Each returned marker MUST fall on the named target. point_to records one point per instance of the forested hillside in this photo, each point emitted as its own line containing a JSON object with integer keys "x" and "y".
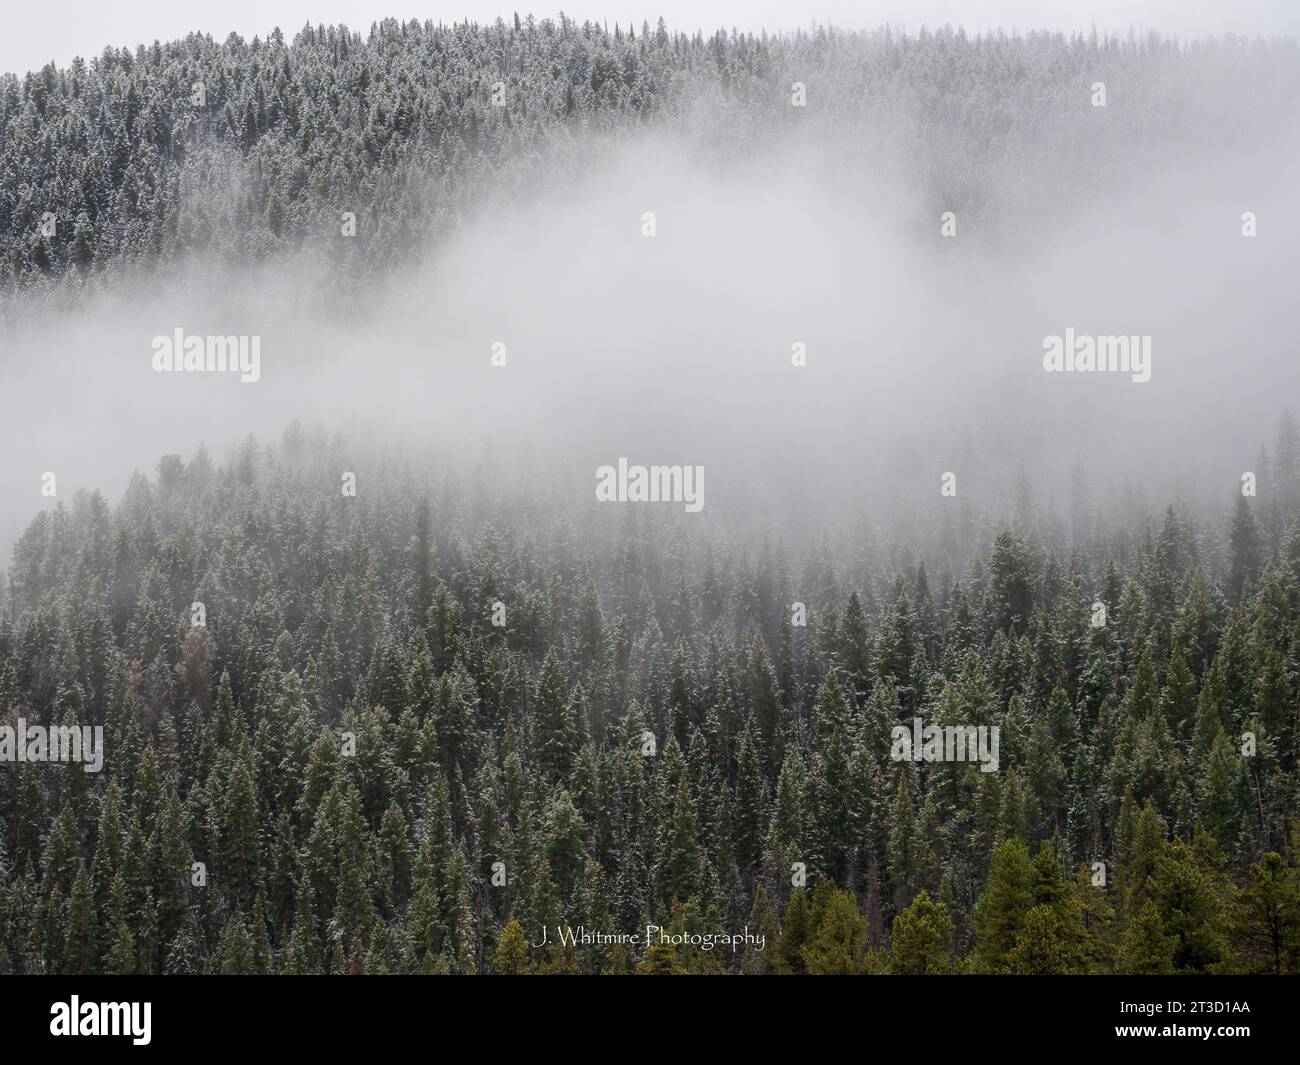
{"x": 235, "y": 152}
{"x": 419, "y": 728}
{"x": 349, "y": 745}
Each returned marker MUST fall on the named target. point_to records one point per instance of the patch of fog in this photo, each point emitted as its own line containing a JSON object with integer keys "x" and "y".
{"x": 923, "y": 353}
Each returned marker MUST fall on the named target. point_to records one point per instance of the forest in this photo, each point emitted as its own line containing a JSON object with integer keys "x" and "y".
{"x": 426, "y": 725}
{"x": 238, "y": 152}
{"x": 375, "y": 775}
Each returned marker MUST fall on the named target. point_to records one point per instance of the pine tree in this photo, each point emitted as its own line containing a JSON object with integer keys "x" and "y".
{"x": 921, "y": 939}
{"x": 796, "y": 927}
{"x": 120, "y": 959}
{"x": 1145, "y": 949}
{"x": 838, "y": 942}
{"x": 240, "y": 856}
{"x": 1040, "y": 948}
{"x": 1187, "y": 895}
{"x": 765, "y": 709}
{"x": 1267, "y": 922}
{"x": 304, "y": 942}
{"x": 556, "y": 740}
{"x": 1000, "y": 913}
{"x": 235, "y": 957}
{"x": 1246, "y": 550}
{"x": 354, "y": 907}
{"x": 512, "y": 951}
{"x": 80, "y": 954}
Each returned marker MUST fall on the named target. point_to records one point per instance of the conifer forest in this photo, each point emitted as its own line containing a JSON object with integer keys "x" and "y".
{"x": 366, "y": 607}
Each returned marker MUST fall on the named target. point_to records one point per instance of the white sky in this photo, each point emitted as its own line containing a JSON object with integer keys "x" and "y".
{"x": 44, "y": 30}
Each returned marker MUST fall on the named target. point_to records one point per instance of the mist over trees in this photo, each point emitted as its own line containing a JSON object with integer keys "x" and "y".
{"x": 524, "y": 744}
{"x": 412, "y": 729}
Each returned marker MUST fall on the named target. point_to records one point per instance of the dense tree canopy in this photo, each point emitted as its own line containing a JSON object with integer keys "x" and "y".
{"x": 409, "y": 730}
{"x": 238, "y": 151}
{"x": 375, "y": 777}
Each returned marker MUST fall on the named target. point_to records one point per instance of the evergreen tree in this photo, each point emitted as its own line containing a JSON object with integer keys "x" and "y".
{"x": 921, "y": 939}
{"x": 512, "y": 951}
{"x": 1002, "y": 908}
